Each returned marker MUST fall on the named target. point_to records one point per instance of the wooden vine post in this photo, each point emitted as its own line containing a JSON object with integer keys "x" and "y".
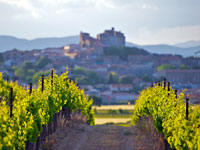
{"x": 168, "y": 88}
{"x": 54, "y": 115}
{"x": 52, "y": 77}
{"x": 152, "y": 84}
{"x": 42, "y": 83}
{"x": 30, "y": 88}
{"x": 158, "y": 83}
{"x": 187, "y": 105}
{"x": 38, "y": 139}
{"x": 164, "y": 83}
{"x": 29, "y": 145}
{"x": 7, "y": 78}
{"x": 176, "y": 93}
{"x": 11, "y": 102}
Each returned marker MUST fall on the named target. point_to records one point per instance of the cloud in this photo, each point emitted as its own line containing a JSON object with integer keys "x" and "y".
{"x": 60, "y": 7}
{"x": 148, "y": 6}
{"x": 61, "y": 11}
{"x": 168, "y": 35}
{"x": 163, "y": 20}
{"x": 40, "y": 8}
{"x": 25, "y": 5}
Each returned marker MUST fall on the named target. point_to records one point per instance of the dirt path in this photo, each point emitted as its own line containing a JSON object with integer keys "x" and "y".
{"x": 100, "y": 137}
{"x": 75, "y": 135}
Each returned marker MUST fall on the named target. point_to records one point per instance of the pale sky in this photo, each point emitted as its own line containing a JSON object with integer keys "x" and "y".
{"x": 142, "y": 21}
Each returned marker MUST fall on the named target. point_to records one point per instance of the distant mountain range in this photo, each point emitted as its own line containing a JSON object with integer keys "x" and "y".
{"x": 9, "y": 42}
{"x": 181, "y": 49}
{"x": 188, "y": 44}
{"x": 168, "y": 49}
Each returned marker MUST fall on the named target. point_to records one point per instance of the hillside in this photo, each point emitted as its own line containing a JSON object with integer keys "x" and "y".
{"x": 185, "y": 49}
{"x": 188, "y": 44}
{"x": 168, "y": 49}
{"x": 10, "y": 42}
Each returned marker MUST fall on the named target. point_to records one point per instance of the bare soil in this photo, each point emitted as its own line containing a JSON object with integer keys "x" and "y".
{"x": 80, "y": 136}
{"x": 100, "y": 137}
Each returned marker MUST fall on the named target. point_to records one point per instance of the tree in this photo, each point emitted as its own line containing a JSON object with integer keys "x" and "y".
{"x": 183, "y": 66}
{"x": 28, "y": 79}
{"x": 1, "y": 59}
{"x": 14, "y": 67}
{"x": 24, "y": 73}
{"x": 97, "y": 100}
{"x": 81, "y": 80}
{"x": 20, "y": 73}
{"x": 146, "y": 78}
{"x": 124, "y": 52}
{"x": 30, "y": 72}
{"x": 37, "y": 75}
{"x": 27, "y": 65}
{"x": 196, "y": 67}
{"x": 92, "y": 77}
{"x": 113, "y": 77}
{"x": 126, "y": 79}
{"x": 42, "y": 62}
{"x": 165, "y": 67}
{"x": 80, "y": 71}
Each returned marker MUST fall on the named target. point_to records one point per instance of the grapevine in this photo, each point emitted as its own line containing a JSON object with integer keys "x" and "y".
{"x": 32, "y": 111}
{"x": 169, "y": 114}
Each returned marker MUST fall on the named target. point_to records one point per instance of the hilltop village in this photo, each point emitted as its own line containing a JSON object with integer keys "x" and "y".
{"x": 106, "y": 39}
{"x": 105, "y": 67}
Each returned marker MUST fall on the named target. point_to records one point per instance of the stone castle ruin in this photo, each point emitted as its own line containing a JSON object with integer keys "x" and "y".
{"x": 106, "y": 39}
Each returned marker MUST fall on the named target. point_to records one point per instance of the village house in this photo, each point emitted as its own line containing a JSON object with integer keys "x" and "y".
{"x": 137, "y": 82}
{"x": 181, "y": 76}
{"x": 121, "y": 69}
{"x": 194, "y": 95}
{"x": 168, "y": 59}
{"x": 123, "y": 96}
{"x": 121, "y": 87}
{"x": 71, "y": 47}
{"x": 86, "y": 87}
{"x": 140, "y": 59}
{"x": 111, "y": 60}
{"x": 93, "y": 92}
{"x": 99, "y": 68}
{"x": 142, "y": 69}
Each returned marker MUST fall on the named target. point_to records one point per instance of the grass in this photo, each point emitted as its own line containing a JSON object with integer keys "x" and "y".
{"x": 117, "y": 115}
{"x": 102, "y": 113}
{"x": 99, "y": 121}
{"x": 126, "y": 124}
{"x": 114, "y": 107}
{"x": 113, "y": 116}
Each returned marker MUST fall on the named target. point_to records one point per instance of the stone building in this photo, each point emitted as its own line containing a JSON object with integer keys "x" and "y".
{"x": 106, "y": 39}
{"x": 112, "y": 38}
{"x": 181, "y": 76}
{"x": 86, "y": 41}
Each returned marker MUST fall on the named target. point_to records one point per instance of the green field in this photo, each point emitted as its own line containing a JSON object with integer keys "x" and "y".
{"x": 114, "y": 107}
{"x": 111, "y": 120}
{"x": 113, "y": 114}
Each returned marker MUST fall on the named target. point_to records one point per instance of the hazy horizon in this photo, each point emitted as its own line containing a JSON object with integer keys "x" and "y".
{"x": 95, "y": 36}
{"x": 142, "y": 22}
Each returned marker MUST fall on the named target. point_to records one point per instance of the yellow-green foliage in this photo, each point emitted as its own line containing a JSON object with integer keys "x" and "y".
{"x": 169, "y": 114}
{"x": 31, "y": 112}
